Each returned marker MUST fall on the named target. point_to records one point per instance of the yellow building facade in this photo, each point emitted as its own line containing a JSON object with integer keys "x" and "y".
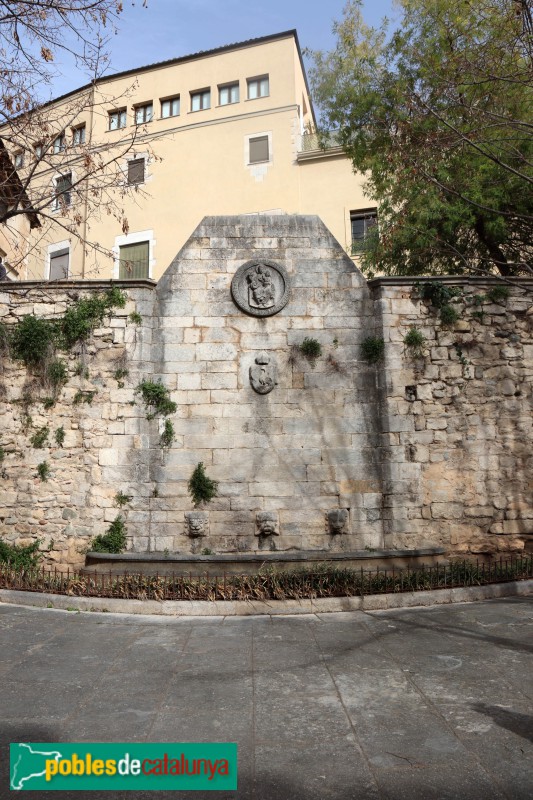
{"x": 223, "y": 132}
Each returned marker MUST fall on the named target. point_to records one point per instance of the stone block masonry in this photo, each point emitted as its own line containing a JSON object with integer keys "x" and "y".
{"x": 457, "y": 417}
{"x": 262, "y": 444}
{"x": 422, "y": 448}
{"x": 95, "y": 410}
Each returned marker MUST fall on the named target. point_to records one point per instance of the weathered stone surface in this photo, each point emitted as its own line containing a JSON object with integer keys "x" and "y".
{"x": 446, "y": 462}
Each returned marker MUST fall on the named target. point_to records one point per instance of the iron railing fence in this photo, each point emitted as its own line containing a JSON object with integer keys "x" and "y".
{"x": 325, "y": 580}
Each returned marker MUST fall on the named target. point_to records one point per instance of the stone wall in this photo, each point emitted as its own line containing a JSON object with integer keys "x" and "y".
{"x": 457, "y": 420}
{"x": 427, "y": 449}
{"x": 308, "y": 447}
{"x": 76, "y": 502}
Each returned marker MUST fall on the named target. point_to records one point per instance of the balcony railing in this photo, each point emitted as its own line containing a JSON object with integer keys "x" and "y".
{"x": 310, "y": 142}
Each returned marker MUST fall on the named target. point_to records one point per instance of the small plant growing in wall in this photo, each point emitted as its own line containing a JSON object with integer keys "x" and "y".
{"x": 86, "y": 314}
{"x": 372, "y": 349}
{"x": 440, "y": 296}
{"x": 32, "y": 341}
{"x": 43, "y": 470}
{"x": 26, "y": 421}
{"x": 56, "y": 374}
{"x": 59, "y": 436}
{"x": 311, "y": 349}
{"x": 40, "y": 437}
{"x": 120, "y": 374}
{"x": 498, "y": 294}
{"x": 122, "y": 499}
{"x": 201, "y": 488}
{"x": 448, "y": 315}
{"x": 84, "y": 397}
{"x": 135, "y": 318}
{"x": 415, "y": 341}
{"x": 81, "y": 371}
{"x": 462, "y": 360}
{"x": 113, "y": 540}
{"x": 167, "y": 436}
{"x": 157, "y": 398}
{"x": 436, "y": 293}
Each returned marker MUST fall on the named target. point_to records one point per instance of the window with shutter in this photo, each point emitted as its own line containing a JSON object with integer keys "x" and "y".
{"x": 134, "y": 261}
{"x": 59, "y": 262}
{"x": 136, "y": 171}
{"x": 258, "y": 149}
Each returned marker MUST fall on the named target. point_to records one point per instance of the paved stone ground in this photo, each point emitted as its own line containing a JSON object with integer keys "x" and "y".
{"x": 428, "y": 704}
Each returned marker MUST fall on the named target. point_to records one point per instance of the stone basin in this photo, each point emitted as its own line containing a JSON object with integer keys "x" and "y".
{"x": 183, "y": 564}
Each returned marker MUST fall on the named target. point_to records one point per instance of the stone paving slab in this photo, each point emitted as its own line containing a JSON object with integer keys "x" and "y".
{"x": 415, "y": 704}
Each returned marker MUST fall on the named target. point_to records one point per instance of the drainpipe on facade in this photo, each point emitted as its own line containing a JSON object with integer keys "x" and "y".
{"x": 86, "y": 201}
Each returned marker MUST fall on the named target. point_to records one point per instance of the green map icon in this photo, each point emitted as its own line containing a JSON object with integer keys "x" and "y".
{"x": 28, "y": 764}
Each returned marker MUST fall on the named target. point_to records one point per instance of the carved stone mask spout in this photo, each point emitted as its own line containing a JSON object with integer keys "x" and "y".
{"x": 197, "y": 523}
{"x": 337, "y": 521}
{"x": 267, "y": 523}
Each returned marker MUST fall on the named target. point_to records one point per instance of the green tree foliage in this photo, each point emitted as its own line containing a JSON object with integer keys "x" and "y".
{"x": 437, "y": 115}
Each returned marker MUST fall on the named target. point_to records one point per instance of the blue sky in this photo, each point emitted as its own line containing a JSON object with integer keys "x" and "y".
{"x": 171, "y": 28}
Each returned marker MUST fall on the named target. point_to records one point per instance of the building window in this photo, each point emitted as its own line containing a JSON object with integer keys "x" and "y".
{"x": 117, "y": 119}
{"x": 170, "y": 107}
{"x": 136, "y": 171}
{"x": 59, "y": 144}
{"x": 259, "y": 149}
{"x": 78, "y": 135}
{"x": 228, "y": 94}
{"x": 63, "y": 191}
{"x": 258, "y": 87}
{"x": 38, "y": 150}
{"x": 364, "y": 225}
{"x": 201, "y": 100}
{"x": 59, "y": 263}
{"x": 134, "y": 261}
{"x": 144, "y": 113}
{"x": 19, "y": 160}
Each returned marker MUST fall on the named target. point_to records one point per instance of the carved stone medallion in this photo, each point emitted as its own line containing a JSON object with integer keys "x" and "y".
{"x": 260, "y": 288}
{"x": 263, "y": 375}
{"x": 197, "y": 523}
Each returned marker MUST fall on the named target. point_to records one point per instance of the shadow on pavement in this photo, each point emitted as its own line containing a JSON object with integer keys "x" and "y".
{"x": 437, "y": 626}
{"x": 521, "y": 724}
